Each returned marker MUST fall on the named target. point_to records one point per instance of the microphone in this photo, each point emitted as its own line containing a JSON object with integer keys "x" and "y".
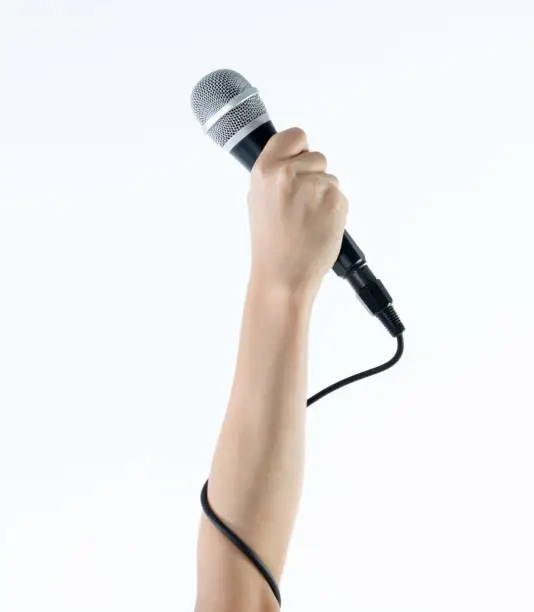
{"x": 234, "y": 116}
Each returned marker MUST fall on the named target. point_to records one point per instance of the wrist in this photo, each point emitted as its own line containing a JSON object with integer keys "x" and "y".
{"x": 291, "y": 300}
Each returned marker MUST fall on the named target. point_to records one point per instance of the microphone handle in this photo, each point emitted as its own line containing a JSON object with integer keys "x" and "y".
{"x": 350, "y": 264}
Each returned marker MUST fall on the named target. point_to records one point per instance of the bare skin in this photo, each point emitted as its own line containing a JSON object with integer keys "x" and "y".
{"x": 297, "y": 216}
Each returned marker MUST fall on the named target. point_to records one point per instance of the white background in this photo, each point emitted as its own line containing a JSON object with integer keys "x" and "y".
{"x": 124, "y": 255}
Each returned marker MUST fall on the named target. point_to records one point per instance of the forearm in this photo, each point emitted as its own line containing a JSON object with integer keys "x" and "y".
{"x": 297, "y": 218}
{"x": 257, "y": 470}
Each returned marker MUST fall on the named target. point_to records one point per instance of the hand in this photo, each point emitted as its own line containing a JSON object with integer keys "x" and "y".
{"x": 297, "y": 214}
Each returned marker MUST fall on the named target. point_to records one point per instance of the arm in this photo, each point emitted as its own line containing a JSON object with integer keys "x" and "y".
{"x": 257, "y": 470}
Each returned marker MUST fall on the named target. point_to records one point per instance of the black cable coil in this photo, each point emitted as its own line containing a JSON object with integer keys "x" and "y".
{"x": 243, "y": 547}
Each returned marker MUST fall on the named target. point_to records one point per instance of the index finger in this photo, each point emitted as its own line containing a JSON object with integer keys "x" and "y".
{"x": 285, "y": 145}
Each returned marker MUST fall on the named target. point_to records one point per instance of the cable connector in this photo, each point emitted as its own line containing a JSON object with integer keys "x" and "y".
{"x": 352, "y": 266}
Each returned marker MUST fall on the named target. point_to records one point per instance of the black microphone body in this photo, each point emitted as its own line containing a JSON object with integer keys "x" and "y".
{"x": 350, "y": 264}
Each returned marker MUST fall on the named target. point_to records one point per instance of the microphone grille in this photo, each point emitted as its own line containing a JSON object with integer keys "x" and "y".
{"x": 215, "y": 90}
{"x": 219, "y": 89}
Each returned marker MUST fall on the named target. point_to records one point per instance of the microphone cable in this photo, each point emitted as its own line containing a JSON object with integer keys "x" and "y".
{"x": 234, "y": 538}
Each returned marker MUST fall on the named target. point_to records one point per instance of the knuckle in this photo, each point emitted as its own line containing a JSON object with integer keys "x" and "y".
{"x": 333, "y": 198}
{"x": 285, "y": 171}
{"x": 278, "y": 176}
{"x": 297, "y": 133}
{"x": 322, "y": 158}
{"x": 311, "y": 180}
{"x": 331, "y": 194}
{"x": 336, "y": 207}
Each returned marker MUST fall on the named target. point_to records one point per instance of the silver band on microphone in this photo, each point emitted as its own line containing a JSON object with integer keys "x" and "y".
{"x": 235, "y": 101}
{"x": 244, "y": 132}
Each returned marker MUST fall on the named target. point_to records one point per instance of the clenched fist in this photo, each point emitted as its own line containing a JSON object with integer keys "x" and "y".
{"x": 297, "y": 214}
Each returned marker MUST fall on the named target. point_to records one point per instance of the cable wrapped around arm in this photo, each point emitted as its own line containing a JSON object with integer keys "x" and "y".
{"x": 235, "y": 539}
